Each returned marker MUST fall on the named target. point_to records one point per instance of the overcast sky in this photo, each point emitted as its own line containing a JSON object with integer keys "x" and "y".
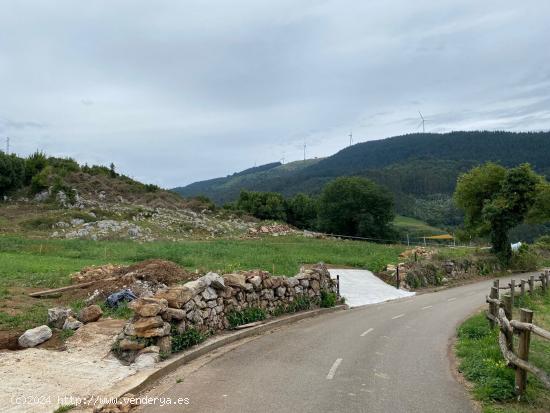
{"x": 177, "y": 91}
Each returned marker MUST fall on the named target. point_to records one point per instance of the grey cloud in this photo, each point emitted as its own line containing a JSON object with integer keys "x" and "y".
{"x": 173, "y": 92}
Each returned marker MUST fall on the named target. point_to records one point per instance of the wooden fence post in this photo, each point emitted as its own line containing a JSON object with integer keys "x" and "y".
{"x": 507, "y": 305}
{"x": 513, "y": 291}
{"x": 526, "y": 316}
{"x": 542, "y": 279}
{"x": 523, "y": 287}
{"x": 493, "y": 308}
{"x": 397, "y": 280}
{"x": 531, "y": 284}
{"x": 338, "y": 285}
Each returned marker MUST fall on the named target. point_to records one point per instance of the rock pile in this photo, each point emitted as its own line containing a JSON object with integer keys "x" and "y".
{"x": 204, "y": 304}
{"x": 272, "y": 229}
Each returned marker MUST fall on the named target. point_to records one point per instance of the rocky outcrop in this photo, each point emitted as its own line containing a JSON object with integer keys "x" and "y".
{"x": 204, "y": 304}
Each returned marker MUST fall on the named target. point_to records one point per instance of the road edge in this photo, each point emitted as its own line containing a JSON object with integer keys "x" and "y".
{"x": 145, "y": 379}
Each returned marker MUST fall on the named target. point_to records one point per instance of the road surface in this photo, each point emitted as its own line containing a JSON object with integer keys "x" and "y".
{"x": 390, "y": 357}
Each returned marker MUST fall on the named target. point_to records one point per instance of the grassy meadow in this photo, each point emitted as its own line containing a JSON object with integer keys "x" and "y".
{"x": 28, "y": 264}
{"x": 483, "y": 365}
{"x": 48, "y": 263}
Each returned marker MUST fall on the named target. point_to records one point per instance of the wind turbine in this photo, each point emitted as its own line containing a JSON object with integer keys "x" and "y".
{"x": 422, "y": 123}
{"x": 350, "y": 138}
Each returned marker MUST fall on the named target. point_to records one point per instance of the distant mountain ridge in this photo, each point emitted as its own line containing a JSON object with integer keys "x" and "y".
{"x": 422, "y": 165}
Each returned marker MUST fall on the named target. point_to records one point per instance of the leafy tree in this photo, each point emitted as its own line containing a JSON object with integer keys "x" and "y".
{"x": 496, "y": 199}
{"x": 112, "y": 171}
{"x": 34, "y": 164}
{"x": 356, "y": 206}
{"x": 263, "y": 205}
{"x": 12, "y": 173}
{"x": 302, "y": 211}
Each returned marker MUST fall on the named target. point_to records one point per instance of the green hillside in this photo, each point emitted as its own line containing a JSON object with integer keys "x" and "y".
{"x": 275, "y": 176}
{"x": 420, "y": 169}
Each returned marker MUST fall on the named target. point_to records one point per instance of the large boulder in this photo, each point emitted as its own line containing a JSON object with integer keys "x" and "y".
{"x": 235, "y": 280}
{"x": 160, "y": 331}
{"x": 292, "y": 281}
{"x": 148, "y": 306}
{"x": 130, "y": 345}
{"x": 176, "y": 296}
{"x": 147, "y": 323}
{"x": 90, "y": 314}
{"x": 209, "y": 294}
{"x": 214, "y": 280}
{"x": 146, "y": 360}
{"x": 35, "y": 336}
{"x": 58, "y": 315}
{"x": 71, "y": 323}
{"x": 256, "y": 281}
{"x": 173, "y": 314}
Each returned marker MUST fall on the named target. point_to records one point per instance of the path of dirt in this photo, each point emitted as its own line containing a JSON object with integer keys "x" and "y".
{"x": 39, "y": 380}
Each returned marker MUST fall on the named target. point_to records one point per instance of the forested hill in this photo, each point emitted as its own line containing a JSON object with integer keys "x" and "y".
{"x": 419, "y": 165}
{"x": 272, "y": 177}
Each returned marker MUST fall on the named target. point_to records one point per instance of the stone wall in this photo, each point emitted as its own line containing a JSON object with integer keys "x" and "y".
{"x": 203, "y": 304}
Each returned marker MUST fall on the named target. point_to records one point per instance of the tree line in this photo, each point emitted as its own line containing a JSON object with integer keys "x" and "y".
{"x": 352, "y": 206}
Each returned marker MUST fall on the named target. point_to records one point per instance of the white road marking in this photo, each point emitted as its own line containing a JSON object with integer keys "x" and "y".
{"x": 452, "y": 299}
{"x": 366, "y": 332}
{"x": 332, "y": 370}
{"x": 398, "y": 316}
{"x": 428, "y": 306}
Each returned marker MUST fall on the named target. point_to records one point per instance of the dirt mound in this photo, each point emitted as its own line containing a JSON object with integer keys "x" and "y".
{"x": 96, "y": 273}
{"x": 161, "y": 271}
{"x": 143, "y": 278}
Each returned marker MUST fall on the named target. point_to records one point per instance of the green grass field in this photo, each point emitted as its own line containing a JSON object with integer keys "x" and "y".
{"x": 482, "y": 363}
{"x": 42, "y": 263}
{"x": 48, "y": 263}
{"x": 415, "y": 227}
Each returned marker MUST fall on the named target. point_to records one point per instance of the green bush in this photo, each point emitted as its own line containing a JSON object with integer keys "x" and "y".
{"x": 190, "y": 337}
{"x": 328, "y": 299}
{"x": 543, "y": 241}
{"x": 12, "y": 173}
{"x": 524, "y": 260}
{"x": 300, "y": 303}
{"x": 247, "y": 315}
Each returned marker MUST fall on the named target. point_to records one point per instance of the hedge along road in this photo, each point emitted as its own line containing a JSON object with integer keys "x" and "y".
{"x": 390, "y": 357}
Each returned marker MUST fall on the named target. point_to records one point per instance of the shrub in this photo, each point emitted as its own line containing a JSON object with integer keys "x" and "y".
{"x": 328, "y": 299}
{"x": 524, "y": 260}
{"x": 300, "y": 303}
{"x": 190, "y": 337}
{"x": 543, "y": 241}
{"x": 247, "y": 315}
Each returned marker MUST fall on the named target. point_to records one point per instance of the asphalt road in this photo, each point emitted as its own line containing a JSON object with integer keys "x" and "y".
{"x": 390, "y": 357}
